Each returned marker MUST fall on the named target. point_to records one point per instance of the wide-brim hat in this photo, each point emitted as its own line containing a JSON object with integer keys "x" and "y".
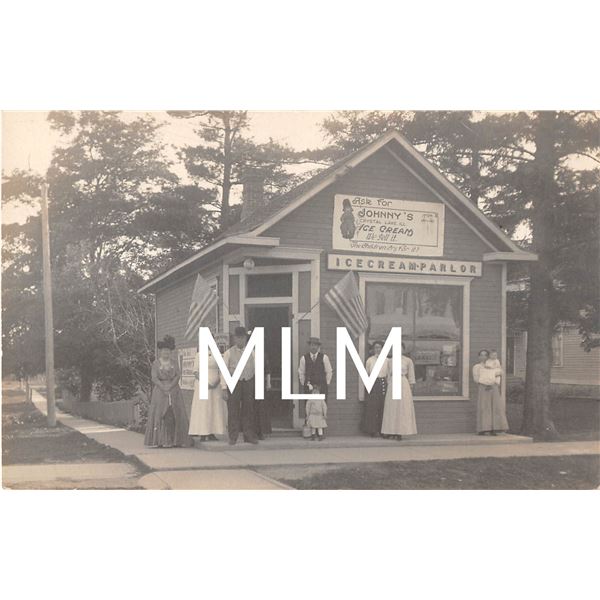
{"x": 314, "y": 340}
{"x": 240, "y": 332}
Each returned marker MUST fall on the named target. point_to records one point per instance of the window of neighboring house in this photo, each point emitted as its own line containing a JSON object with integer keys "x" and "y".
{"x": 557, "y": 349}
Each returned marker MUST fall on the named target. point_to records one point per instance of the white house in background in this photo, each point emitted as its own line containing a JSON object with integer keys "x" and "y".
{"x": 571, "y": 364}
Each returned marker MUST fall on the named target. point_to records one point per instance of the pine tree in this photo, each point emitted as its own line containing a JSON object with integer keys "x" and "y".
{"x": 532, "y": 173}
{"x": 117, "y": 213}
{"x": 545, "y": 183}
{"x": 225, "y": 150}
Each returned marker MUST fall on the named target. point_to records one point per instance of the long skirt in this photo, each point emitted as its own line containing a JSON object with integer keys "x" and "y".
{"x": 491, "y": 409}
{"x": 167, "y": 419}
{"x": 399, "y": 415}
{"x": 374, "y": 407}
{"x": 208, "y": 416}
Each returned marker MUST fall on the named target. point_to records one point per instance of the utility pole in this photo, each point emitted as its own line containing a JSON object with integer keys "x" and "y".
{"x": 48, "y": 317}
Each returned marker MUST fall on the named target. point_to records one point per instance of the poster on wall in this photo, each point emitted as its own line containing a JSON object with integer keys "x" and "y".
{"x": 399, "y": 227}
{"x": 186, "y": 365}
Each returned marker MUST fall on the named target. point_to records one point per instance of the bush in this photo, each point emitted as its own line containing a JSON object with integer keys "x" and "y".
{"x": 68, "y": 379}
{"x": 141, "y": 403}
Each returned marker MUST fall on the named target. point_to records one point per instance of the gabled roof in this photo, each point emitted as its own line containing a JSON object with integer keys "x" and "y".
{"x": 250, "y": 230}
{"x": 278, "y": 203}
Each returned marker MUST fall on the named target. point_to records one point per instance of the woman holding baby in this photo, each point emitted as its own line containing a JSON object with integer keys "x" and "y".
{"x": 491, "y": 406}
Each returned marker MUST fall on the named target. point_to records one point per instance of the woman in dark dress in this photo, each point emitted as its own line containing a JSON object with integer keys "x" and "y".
{"x": 376, "y": 397}
{"x": 168, "y": 424}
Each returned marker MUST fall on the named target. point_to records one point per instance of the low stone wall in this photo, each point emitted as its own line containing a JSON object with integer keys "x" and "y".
{"x": 122, "y": 413}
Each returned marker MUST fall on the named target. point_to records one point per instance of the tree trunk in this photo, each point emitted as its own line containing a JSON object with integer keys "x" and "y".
{"x": 474, "y": 172}
{"x": 475, "y": 169}
{"x": 87, "y": 380}
{"x": 536, "y": 413}
{"x": 227, "y": 166}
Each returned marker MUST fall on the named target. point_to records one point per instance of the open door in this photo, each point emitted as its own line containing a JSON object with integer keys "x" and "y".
{"x": 273, "y": 317}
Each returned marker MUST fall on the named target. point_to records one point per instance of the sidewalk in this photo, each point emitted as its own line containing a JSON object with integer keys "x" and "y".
{"x": 38, "y": 457}
{"x": 286, "y": 451}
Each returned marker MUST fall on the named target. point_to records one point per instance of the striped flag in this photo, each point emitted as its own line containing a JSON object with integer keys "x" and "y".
{"x": 204, "y": 299}
{"x": 345, "y": 299}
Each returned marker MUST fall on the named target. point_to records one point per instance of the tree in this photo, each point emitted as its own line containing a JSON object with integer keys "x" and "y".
{"x": 521, "y": 169}
{"x": 225, "y": 151}
{"x": 22, "y": 304}
{"x": 541, "y": 186}
{"x": 112, "y": 174}
{"x": 454, "y": 141}
{"x": 117, "y": 212}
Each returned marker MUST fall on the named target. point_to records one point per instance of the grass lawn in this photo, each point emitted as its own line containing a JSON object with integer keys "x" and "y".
{"x": 26, "y": 439}
{"x": 518, "y": 473}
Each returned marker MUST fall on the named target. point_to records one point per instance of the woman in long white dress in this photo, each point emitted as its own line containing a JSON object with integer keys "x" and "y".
{"x": 399, "y": 415}
{"x": 491, "y": 405}
{"x": 208, "y": 417}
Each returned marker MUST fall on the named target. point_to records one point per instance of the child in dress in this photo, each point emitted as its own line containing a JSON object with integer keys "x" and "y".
{"x": 316, "y": 414}
{"x": 494, "y": 363}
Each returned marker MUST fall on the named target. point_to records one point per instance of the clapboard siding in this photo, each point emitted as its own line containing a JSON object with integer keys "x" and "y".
{"x": 578, "y": 366}
{"x": 172, "y": 308}
{"x": 311, "y": 224}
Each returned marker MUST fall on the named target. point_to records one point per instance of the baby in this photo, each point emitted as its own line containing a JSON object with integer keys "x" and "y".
{"x": 493, "y": 363}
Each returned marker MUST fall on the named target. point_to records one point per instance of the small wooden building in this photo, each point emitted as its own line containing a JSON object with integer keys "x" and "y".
{"x": 425, "y": 257}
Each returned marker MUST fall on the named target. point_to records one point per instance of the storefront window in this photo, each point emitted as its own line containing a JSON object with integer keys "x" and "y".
{"x": 431, "y": 321}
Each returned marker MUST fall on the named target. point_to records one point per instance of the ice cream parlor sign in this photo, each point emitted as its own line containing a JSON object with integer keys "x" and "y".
{"x": 403, "y": 227}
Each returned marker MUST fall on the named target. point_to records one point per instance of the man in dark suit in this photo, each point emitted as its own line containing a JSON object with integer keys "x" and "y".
{"x": 315, "y": 368}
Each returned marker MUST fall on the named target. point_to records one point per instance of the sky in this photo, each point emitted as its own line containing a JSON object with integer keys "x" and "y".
{"x": 28, "y": 141}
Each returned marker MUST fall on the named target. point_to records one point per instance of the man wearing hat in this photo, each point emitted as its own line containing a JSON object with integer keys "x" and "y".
{"x": 240, "y": 403}
{"x": 315, "y": 368}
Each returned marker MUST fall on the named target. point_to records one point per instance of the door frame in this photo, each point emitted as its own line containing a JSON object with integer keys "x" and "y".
{"x": 311, "y": 264}
{"x": 276, "y": 303}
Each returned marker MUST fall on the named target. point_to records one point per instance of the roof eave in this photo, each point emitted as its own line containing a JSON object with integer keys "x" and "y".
{"x": 517, "y": 256}
{"x": 234, "y": 240}
{"x": 346, "y": 165}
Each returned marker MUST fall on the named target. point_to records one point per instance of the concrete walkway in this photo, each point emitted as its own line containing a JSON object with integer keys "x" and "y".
{"x": 71, "y": 476}
{"x": 210, "y": 479}
{"x": 284, "y": 451}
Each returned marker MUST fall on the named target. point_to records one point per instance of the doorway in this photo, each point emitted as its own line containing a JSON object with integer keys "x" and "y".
{"x": 273, "y": 317}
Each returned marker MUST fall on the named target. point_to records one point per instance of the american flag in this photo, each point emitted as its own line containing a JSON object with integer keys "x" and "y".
{"x": 345, "y": 299}
{"x": 204, "y": 299}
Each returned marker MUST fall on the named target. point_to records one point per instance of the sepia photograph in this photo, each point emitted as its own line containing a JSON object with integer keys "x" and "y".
{"x": 301, "y": 300}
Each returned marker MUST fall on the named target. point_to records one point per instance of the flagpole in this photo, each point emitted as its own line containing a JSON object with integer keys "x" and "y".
{"x": 308, "y": 312}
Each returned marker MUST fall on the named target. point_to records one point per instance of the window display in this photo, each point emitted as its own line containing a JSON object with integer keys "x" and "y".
{"x": 431, "y": 320}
